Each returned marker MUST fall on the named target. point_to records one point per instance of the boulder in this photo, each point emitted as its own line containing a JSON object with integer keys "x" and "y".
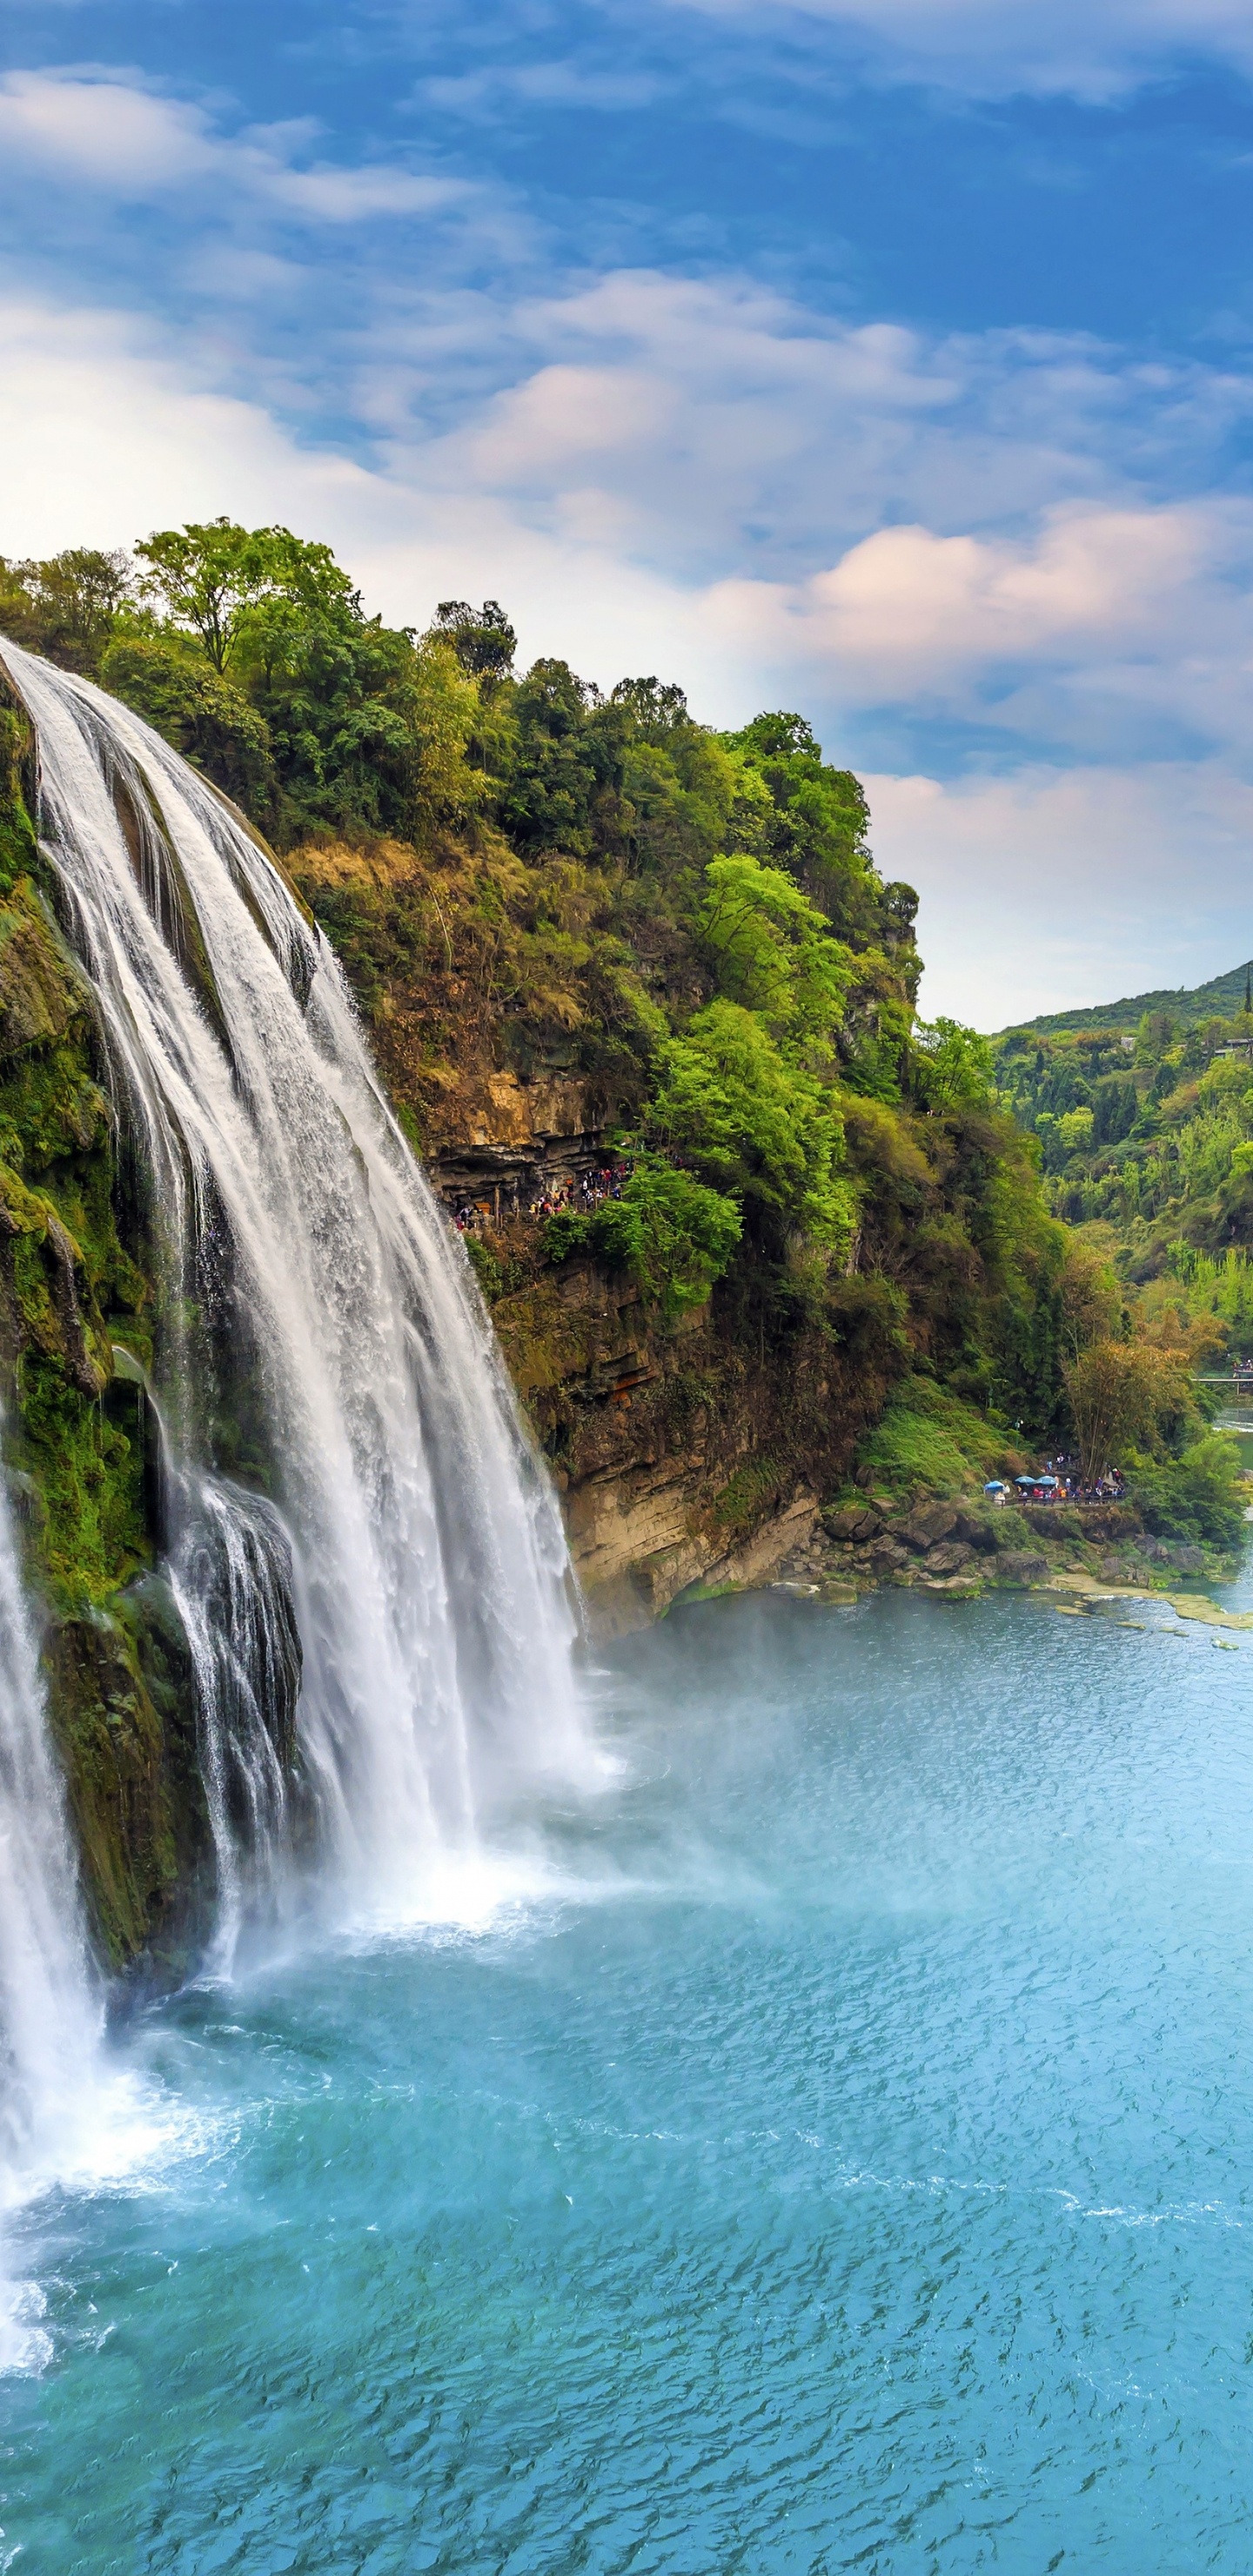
{"x": 927, "y": 1524}
{"x": 976, "y": 1529}
{"x": 949, "y": 1557}
{"x": 1054, "y": 1520}
{"x": 855, "y": 1521}
{"x": 886, "y": 1553}
{"x": 1189, "y": 1558}
{"x": 1021, "y": 1565}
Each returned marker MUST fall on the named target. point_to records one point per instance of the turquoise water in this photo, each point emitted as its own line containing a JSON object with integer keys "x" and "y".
{"x": 841, "y": 2158}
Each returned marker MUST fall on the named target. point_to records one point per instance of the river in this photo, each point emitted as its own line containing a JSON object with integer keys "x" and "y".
{"x": 829, "y": 2145}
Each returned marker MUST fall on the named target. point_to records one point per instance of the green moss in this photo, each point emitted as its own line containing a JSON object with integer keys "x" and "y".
{"x": 90, "y": 1478}
{"x": 122, "y": 1700}
{"x": 18, "y": 849}
{"x": 747, "y": 1496}
{"x": 121, "y": 1690}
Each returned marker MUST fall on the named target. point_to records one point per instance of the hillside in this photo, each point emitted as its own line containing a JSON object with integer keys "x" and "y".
{"x": 1145, "y": 1133}
{"x": 1221, "y": 998}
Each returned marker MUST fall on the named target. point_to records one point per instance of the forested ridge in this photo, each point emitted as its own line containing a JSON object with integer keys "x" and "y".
{"x": 1145, "y": 1129}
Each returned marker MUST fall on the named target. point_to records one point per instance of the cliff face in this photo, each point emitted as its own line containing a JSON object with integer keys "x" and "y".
{"x": 689, "y": 1449}
{"x": 683, "y": 1456}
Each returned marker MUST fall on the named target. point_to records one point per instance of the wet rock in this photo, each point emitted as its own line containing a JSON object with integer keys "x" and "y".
{"x": 1021, "y": 1565}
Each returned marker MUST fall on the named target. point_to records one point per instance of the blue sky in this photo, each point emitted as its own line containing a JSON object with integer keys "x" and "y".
{"x": 893, "y": 361}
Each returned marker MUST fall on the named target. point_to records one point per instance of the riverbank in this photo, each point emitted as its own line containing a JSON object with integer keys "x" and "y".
{"x": 963, "y": 1548}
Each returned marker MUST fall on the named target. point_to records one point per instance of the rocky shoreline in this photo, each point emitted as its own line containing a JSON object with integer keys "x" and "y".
{"x": 965, "y": 1547}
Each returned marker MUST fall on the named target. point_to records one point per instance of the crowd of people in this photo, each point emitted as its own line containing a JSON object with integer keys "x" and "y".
{"x": 1060, "y": 1481}
{"x": 578, "y": 1196}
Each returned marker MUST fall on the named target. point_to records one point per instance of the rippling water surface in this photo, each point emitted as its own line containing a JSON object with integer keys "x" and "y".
{"x": 836, "y": 2152}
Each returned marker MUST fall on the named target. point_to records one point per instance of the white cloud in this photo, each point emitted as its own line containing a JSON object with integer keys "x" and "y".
{"x": 893, "y": 520}
{"x": 765, "y": 431}
{"x": 562, "y": 415}
{"x": 1049, "y": 889}
{"x": 907, "y": 610}
{"x": 557, "y": 83}
{"x": 116, "y": 137}
{"x": 107, "y": 432}
{"x": 1092, "y": 49}
{"x": 106, "y": 133}
{"x": 1041, "y": 887}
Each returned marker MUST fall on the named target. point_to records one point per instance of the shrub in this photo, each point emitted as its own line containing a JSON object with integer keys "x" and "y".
{"x": 930, "y": 1438}
{"x": 1197, "y": 1496}
{"x": 487, "y": 1269}
{"x": 202, "y": 713}
{"x": 674, "y": 1236}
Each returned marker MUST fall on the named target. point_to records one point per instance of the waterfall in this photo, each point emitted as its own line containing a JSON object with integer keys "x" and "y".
{"x": 368, "y": 1556}
{"x": 50, "y": 2016}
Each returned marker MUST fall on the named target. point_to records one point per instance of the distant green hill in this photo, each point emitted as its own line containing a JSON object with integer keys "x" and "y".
{"x": 1219, "y": 999}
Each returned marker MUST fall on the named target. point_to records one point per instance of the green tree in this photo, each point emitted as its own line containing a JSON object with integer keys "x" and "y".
{"x": 773, "y": 950}
{"x": 483, "y": 639}
{"x": 211, "y": 578}
{"x": 754, "y": 1122}
{"x": 952, "y": 1064}
{"x": 1122, "y": 1397}
{"x": 819, "y": 826}
{"x": 66, "y": 607}
{"x": 567, "y": 762}
{"x": 202, "y": 576}
{"x": 673, "y": 1234}
{"x": 200, "y": 711}
{"x": 1197, "y": 1496}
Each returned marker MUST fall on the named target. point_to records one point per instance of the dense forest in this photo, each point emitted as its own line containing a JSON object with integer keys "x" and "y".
{"x": 1145, "y": 1130}
{"x": 526, "y": 875}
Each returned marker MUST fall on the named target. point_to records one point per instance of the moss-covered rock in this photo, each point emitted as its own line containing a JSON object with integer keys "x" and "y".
{"x": 74, "y": 1275}
{"x": 122, "y": 1701}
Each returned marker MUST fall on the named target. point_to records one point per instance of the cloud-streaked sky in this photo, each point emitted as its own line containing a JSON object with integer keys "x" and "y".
{"x": 893, "y": 361}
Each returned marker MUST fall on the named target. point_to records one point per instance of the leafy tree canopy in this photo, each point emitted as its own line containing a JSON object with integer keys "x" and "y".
{"x": 483, "y": 639}
{"x": 215, "y": 580}
{"x": 774, "y": 949}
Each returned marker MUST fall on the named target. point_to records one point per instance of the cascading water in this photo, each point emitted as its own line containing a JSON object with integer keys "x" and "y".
{"x": 50, "y": 2017}
{"x": 49, "y": 2011}
{"x": 406, "y": 1562}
